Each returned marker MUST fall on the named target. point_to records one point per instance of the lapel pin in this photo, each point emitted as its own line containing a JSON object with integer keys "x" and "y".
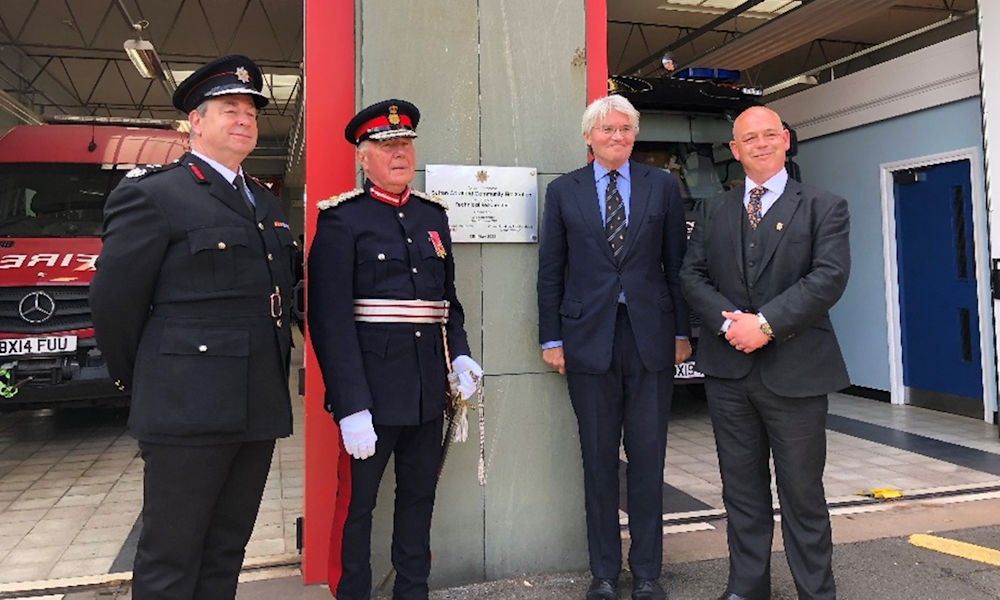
{"x": 779, "y": 226}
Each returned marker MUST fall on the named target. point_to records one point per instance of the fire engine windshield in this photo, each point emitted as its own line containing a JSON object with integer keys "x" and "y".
{"x": 53, "y": 199}
{"x": 691, "y": 164}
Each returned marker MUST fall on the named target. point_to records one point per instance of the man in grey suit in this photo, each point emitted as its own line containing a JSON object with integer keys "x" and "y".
{"x": 765, "y": 263}
{"x": 612, "y": 318}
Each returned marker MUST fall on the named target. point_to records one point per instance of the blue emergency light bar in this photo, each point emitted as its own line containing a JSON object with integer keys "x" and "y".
{"x": 706, "y": 74}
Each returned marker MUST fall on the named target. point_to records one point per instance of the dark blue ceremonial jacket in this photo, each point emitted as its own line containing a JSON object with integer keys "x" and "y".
{"x": 367, "y": 248}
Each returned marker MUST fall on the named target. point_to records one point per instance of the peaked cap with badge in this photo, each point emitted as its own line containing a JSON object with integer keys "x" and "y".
{"x": 224, "y": 76}
{"x": 383, "y": 120}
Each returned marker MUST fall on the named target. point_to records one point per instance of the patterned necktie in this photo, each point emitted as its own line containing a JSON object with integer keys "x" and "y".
{"x": 241, "y": 187}
{"x": 754, "y": 206}
{"x": 614, "y": 215}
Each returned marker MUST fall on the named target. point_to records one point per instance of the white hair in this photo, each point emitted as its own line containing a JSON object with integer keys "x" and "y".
{"x": 598, "y": 110}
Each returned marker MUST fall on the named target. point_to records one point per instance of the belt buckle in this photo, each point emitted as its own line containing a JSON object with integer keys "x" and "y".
{"x": 276, "y": 303}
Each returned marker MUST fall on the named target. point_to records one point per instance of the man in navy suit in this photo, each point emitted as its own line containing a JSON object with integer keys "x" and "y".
{"x": 612, "y": 318}
{"x": 766, "y": 262}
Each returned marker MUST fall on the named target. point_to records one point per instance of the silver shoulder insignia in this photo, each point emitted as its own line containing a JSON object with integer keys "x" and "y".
{"x": 136, "y": 172}
{"x": 425, "y": 196}
{"x": 335, "y": 200}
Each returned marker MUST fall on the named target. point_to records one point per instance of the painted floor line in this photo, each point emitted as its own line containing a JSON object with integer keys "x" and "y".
{"x": 956, "y": 548}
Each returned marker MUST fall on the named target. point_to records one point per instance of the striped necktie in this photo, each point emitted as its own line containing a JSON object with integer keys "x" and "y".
{"x": 754, "y": 206}
{"x": 614, "y": 215}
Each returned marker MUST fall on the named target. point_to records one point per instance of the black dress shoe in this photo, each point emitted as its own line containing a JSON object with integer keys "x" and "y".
{"x": 602, "y": 589}
{"x": 647, "y": 589}
{"x": 731, "y": 596}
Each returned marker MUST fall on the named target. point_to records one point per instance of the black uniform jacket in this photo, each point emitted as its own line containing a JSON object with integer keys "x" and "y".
{"x": 186, "y": 285}
{"x": 366, "y": 248}
{"x": 804, "y": 270}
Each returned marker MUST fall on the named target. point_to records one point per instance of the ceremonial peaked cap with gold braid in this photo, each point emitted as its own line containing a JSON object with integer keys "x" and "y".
{"x": 233, "y": 74}
{"x": 383, "y": 121}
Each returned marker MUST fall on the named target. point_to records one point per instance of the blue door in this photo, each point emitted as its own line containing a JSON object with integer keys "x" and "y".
{"x": 937, "y": 280}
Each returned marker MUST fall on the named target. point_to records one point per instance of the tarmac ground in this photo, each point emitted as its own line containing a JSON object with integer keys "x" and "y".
{"x": 872, "y": 559}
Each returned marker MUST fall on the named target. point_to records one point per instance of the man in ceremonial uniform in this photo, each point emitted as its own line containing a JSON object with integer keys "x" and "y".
{"x": 387, "y": 328}
{"x": 191, "y": 307}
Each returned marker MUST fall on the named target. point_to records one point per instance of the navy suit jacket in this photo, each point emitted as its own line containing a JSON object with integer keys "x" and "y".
{"x": 804, "y": 271}
{"x": 579, "y": 279}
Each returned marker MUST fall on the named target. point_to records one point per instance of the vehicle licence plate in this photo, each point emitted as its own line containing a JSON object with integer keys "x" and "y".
{"x": 53, "y": 344}
{"x": 686, "y": 370}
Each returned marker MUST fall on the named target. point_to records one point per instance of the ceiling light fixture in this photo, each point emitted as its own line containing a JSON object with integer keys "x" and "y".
{"x": 143, "y": 55}
{"x": 673, "y": 5}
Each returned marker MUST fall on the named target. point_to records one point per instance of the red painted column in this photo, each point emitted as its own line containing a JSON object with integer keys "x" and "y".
{"x": 329, "y": 101}
{"x": 597, "y": 49}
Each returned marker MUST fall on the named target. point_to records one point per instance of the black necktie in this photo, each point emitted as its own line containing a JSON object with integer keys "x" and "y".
{"x": 754, "y": 206}
{"x": 614, "y": 215}
{"x": 241, "y": 187}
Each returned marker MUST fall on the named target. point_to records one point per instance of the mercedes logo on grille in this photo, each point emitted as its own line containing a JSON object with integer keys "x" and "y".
{"x": 36, "y": 307}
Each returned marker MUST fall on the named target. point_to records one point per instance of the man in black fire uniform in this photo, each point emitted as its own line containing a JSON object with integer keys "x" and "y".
{"x": 191, "y": 307}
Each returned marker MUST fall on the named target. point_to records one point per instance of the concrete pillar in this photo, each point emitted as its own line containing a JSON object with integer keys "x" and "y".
{"x": 499, "y": 82}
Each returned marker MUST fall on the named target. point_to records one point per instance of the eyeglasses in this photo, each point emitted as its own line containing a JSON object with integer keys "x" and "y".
{"x": 625, "y": 130}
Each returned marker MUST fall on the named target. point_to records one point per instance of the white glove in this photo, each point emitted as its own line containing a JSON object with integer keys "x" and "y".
{"x": 359, "y": 434}
{"x": 468, "y": 373}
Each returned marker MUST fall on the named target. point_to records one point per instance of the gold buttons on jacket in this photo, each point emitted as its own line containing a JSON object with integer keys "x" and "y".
{"x": 222, "y": 245}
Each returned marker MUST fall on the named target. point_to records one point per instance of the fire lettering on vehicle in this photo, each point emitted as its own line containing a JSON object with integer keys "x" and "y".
{"x": 87, "y": 261}
{"x": 49, "y": 260}
{"x": 17, "y": 261}
{"x": 12, "y": 261}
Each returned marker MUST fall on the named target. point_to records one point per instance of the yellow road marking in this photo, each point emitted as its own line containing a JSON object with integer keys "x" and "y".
{"x": 956, "y": 548}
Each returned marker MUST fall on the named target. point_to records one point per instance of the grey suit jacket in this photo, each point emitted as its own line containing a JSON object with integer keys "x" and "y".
{"x": 579, "y": 278}
{"x": 804, "y": 271}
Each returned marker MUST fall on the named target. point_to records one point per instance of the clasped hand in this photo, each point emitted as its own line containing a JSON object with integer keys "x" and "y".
{"x": 744, "y": 332}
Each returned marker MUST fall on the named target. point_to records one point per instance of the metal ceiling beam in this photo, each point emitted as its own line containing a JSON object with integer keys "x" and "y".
{"x": 706, "y": 28}
{"x": 789, "y": 31}
{"x": 10, "y": 104}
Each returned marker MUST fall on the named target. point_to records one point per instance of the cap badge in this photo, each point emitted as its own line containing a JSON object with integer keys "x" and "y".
{"x": 393, "y": 115}
{"x": 242, "y": 74}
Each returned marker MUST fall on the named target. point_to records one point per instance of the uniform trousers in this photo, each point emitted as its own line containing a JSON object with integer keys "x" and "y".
{"x": 632, "y": 399}
{"x": 417, "y": 451}
{"x": 752, "y": 423}
{"x": 198, "y": 511}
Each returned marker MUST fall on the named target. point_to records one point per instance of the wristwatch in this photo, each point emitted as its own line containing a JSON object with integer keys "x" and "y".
{"x": 765, "y": 327}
